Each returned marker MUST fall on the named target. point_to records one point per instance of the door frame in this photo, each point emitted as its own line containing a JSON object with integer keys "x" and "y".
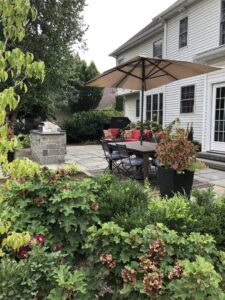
{"x": 215, "y": 146}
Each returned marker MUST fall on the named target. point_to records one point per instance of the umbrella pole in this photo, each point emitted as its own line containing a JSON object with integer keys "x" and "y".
{"x": 142, "y": 100}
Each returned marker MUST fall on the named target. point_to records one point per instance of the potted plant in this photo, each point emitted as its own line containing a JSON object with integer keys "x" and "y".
{"x": 177, "y": 157}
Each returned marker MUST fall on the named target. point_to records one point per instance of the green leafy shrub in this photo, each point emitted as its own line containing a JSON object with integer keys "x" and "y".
{"x": 87, "y": 125}
{"x": 123, "y": 202}
{"x": 52, "y": 205}
{"x": 39, "y": 276}
{"x": 174, "y": 213}
{"x": 147, "y": 263}
{"x": 204, "y": 214}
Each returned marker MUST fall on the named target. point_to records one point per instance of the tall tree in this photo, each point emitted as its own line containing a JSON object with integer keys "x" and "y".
{"x": 58, "y": 26}
{"x": 81, "y": 98}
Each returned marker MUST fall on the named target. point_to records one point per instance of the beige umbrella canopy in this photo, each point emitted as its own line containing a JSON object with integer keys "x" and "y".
{"x": 144, "y": 73}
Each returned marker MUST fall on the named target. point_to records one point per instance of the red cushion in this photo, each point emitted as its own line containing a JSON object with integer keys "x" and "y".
{"x": 148, "y": 133}
{"x": 136, "y": 134}
{"x": 115, "y": 131}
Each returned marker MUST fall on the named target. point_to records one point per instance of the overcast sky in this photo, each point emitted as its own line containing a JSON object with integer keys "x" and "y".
{"x": 113, "y": 22}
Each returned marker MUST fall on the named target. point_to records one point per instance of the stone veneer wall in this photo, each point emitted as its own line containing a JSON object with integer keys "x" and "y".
{"x": 48, "y": 148}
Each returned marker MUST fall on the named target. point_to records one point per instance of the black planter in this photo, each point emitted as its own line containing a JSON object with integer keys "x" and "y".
{"x": 10, "y": 156}
{"x": 172, "y": 183}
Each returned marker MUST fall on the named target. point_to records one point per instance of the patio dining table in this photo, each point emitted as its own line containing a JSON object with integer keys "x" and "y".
{"x": 145, "y": 150}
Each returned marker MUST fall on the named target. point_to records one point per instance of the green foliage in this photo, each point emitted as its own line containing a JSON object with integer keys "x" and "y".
{"x": 40, "y": 276}
{"x": 150, "y": 125}
{"x": 123, "y": 202}
{"x": 199, "y": 281}
{"x": 174, "y": 213}
{"x": 16, "y": 67}
{"x": 52, "y": 205}
{"x": 86, "y": 126}
{"x": 58, "y": 25}
{"x": 119, "y": 103}
{"x": 69, "y": 284}
{"x": 81, "y": 97}
{"x": 21, "y": 169}
{"x": 150, "y": 261}
{"x": 204, "y": 213}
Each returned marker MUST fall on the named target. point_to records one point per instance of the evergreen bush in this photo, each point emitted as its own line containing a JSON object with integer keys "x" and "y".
{"x": 87, "y": 125}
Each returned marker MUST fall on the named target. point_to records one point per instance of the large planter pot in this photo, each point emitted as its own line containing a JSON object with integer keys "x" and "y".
{"x": 171, "y": 182}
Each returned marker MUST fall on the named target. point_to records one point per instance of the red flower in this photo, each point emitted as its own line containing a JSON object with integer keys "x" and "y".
{"x": 57, "y": 247}
{"x": 175, "y": 166}
{"x": 37, "y": 239}
{"x": 22, "y": 252}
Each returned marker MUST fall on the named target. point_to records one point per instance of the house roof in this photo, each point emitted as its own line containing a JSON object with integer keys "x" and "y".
{"x": 155, "y": 26}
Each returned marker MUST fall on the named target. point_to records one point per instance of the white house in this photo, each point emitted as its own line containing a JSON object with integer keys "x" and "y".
{"x": 190, "y": 30}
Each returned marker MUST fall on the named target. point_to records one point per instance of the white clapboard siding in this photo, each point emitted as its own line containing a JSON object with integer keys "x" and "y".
{"x": 172, "y": 105}
{"x": 203, "y": 30}
{"x": 145, "y": 48}
{"x": 130, "y": 107}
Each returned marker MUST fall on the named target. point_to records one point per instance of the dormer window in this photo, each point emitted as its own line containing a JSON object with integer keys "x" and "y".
{"x": 157, "y": 49}
{"x": 222, "y": 23}
{"x": 183, "y": 36}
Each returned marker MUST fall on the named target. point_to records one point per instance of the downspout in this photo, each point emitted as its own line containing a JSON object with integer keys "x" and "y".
{"x": 204, "y": 127}
{"x": 164, "y": 56}
{"x": 165, "y": 40}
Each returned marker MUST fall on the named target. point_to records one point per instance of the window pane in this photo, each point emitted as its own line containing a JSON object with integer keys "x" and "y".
{"x": 187, "y": 99}
{"x": 137, "y": 108}
{"x": 148, "y": 107}
{"x": 155, "y": 102}
{"x": 157, "y": 49}
{"x": 183, "y": 32}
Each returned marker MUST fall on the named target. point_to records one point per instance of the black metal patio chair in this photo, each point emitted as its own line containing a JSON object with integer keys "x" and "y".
{"x": 112, "y": 157}
{"x": 132, "y": 166}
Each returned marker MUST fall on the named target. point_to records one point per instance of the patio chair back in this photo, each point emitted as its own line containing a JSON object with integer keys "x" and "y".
{"x": 123, "y": 151}
{"x": 105, "y": 149}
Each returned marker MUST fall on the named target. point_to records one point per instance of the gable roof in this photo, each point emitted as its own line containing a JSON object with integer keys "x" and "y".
{"x": 155, "y": 26}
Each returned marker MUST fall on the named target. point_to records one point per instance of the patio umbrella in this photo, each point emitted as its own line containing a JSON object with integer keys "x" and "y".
{"x": 144, "y": 73}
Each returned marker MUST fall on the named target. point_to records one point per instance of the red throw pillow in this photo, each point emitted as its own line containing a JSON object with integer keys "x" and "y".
{"x": 107, "y": 134}
{"x": 127, "y": 134}
{"x": 114, "y": 132}
{"x": 147, "y": 133}
{"x": 136, "y": 134}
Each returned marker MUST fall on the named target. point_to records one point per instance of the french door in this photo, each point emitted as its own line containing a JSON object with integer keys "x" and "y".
{"x": 154, "y": 108}
{"x": 218, "y": 118}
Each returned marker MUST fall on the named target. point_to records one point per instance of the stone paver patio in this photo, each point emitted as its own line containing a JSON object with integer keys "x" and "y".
{"x": 91, "y": 160}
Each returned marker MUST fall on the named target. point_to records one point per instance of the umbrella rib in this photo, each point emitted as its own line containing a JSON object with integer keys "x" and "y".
{"x": 150, "y": 72}
{"x": 127, "y": 74}
{"x": 162, "y": 69}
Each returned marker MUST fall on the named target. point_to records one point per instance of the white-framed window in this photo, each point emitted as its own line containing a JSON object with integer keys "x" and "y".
{"x": 222, "y": 23}
{"x": 187, "y": 99}
{"x": 183, "y": 33}
{"x": 137, "y": 108}
{"x": 158, "y": 48}
{"x": 154, "y": 108}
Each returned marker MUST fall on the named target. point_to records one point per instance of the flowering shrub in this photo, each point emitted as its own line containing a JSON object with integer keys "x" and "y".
{"x": 50, "y": 206}
{"x": 149, "y": 263}
{"x": 177, "y": 152}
